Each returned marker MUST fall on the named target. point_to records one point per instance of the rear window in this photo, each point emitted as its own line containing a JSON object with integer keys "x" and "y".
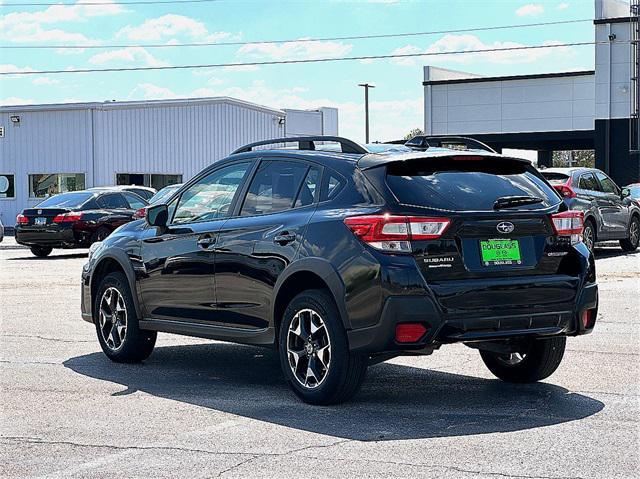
{"x": 555, "y": 178}
{"x": 472, "y": 185}
{"x": 66, "y": 200}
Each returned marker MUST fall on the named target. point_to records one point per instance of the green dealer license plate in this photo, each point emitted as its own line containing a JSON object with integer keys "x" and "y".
{"x": 499, "y": 251}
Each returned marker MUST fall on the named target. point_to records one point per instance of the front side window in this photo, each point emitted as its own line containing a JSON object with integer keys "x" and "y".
{"x": 211, "y": 197}
{"x": 607, "y": 184}
{"x": 135, "y": 202}
{"x": 44, "y": 185}
{"x": 274, "y": 187}
{"x": 7, "y": 186}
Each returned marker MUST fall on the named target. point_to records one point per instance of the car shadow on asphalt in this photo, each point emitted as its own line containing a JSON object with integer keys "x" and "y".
{"x": 396, "y": 401}
{"x": 51, "y": 258}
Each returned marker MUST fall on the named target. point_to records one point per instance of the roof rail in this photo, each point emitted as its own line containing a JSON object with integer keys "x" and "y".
{"x": 308, "y": 143}
{"x": 421, "y": 142}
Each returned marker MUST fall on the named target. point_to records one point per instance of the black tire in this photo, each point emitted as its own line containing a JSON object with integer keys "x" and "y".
{"x": 589, "y": 234}
{"x": 100, "y": 234}
{"x": 41, "y": 251}
{"x": 541, "y": 358}
{"x": 134, "y": 345}
{"x": 345, "y": 371}
{"x": 631, "y": 243}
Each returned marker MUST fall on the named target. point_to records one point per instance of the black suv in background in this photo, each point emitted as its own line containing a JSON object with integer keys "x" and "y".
{"x": 75, "y": 219}
{"x": 340, "y": 259}
{"x": 609, "y": 211}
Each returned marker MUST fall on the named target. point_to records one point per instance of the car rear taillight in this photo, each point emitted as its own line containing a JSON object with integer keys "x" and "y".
{"x": 565, "y": 191}
{"x": 569, "y": 223}
{"x": 67, "y": 218}
{"x": 22, "y": 219}
{"x": 140, "y": 213}
{"x": 394, "y": 233}
{"x": 588, "y": 318}
{"x": 410, "y": 332}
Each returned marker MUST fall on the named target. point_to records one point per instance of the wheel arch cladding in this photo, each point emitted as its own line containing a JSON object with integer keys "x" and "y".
{"x": 110, "y": 264}
{"x": 308, "y": 273}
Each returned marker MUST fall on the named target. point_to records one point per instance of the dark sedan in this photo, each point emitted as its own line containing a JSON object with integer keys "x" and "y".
{"x": 75, "y": 220}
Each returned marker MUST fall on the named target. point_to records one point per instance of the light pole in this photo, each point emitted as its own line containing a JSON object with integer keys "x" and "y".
{"x": 366, "y": 108}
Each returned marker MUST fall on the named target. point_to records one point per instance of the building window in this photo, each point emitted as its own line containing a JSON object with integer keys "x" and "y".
{"x": 7, "y": 186}
{"x": 157, "y": 181}
{"x": 44, "y": 185}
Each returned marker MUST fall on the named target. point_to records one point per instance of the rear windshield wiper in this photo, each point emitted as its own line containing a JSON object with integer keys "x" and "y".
{"x": 513, "y": 201}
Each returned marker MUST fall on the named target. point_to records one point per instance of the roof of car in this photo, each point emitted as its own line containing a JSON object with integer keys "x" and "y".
{"x": 568, "y": 171}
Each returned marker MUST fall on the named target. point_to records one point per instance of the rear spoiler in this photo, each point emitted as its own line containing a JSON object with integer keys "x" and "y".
{"x": 374, "y": 160}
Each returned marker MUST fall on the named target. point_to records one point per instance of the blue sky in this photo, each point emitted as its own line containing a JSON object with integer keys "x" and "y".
{"x": 396, "y": 103}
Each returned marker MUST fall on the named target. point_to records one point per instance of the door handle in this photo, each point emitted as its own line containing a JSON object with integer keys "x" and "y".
{"x": 206, "y": 241}
{"x": 284, "y": 238}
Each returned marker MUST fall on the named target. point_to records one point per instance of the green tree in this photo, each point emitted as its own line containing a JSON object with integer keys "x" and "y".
{"x": 412, "y": 133}
{"x": 579, "y": 158}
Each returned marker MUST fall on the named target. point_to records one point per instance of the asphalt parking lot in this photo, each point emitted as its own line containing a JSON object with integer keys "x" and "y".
{"x": 199, "y": 408}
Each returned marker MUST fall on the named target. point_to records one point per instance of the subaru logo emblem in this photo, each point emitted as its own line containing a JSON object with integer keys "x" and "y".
{"x": 39, "y": 212}
{"x": 505, "y": 227}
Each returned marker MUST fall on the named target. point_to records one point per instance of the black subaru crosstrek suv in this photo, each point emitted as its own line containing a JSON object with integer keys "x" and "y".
{"x": 341, "y": 258}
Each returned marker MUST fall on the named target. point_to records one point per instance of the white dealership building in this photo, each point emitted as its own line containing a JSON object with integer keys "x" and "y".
{"x": 47, "y": 149}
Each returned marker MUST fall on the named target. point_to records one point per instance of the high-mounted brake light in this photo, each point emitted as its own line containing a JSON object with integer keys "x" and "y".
{"x": 394, "y": 233}
{"x": 67, "y": 218}
{"x": 22, "y": 219}
{"x": 569, "y": 223}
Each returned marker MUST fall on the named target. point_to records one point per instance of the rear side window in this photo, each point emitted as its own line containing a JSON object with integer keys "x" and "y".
{"x": 555, "y": 178}
{"x": 113, "y": 201}
{"x": 274, "y": 187}
{"x": 588, "y": 182}
{"x": 307, "y": 192}
{"x": 466, "y": 185}
{"x": 135, "y": 202}
{"x": 333, "y": 183}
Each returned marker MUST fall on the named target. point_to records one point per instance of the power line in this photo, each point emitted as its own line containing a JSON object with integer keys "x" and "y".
{"x": 308, "y": 60}
{"x": 90, "y": 4}
{"x": 303, "y": 40}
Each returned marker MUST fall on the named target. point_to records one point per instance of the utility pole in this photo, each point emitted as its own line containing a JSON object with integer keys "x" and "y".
{"x": 366, "y": 108}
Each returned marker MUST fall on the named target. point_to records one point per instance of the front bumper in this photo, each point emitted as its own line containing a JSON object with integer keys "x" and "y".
{"x": 443, "y": 329}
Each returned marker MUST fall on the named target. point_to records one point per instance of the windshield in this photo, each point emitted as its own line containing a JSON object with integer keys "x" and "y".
{"x": 163, "y": 195}
{"x": 468, "y": 185}
{"x": 66, "y": 200}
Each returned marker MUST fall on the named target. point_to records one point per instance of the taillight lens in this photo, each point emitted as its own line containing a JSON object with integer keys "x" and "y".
{"x": 569, "y": 223}
{"x": 22, "y": 219}
{"x": 393, "y": 233}
{"x": 67, "y": 218}
{"x": 140, "y": 213}
{"x": 565, "y": 191}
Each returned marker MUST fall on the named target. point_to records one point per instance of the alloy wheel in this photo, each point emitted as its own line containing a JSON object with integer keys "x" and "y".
{"x": 587, "y": 236}
{"x": 634, "y": 232}
{"x": 512, "y": 359}
{"x": 308, "y": 348}
{"x": 113, "y": 319}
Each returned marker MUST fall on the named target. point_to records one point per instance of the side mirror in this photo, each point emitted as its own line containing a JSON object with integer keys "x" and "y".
{"x": 626, "y": 192}
{"x": 157, "y": 215}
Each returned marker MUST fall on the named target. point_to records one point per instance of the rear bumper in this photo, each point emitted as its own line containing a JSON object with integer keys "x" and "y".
{"x": 55, "y": 236}
{"x": 444, "y": 329}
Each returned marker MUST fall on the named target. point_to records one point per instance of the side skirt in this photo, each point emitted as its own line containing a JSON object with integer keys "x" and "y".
{"x": 257, "y": 337}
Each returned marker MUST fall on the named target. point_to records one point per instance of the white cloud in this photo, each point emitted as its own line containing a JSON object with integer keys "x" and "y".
{"x": 530, "y": 10}
{"x": 138, "y": 55}
{"x": 390, "y": 119}
{"x": 295, "y": 50}
{"x": 44, "y": 81}
{"x": 406, "y": 50}
{"x": 14, "y": 100}
{"x": 25, "y": 27}
{"x": 562, "y": 6}
{"x": 170, "y": 26}
{"x": 467, "y": 42}
{"x": 10, "y": 68}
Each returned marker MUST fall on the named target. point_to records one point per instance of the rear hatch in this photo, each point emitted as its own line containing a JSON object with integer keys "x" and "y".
{"x": 500, "y": 252}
